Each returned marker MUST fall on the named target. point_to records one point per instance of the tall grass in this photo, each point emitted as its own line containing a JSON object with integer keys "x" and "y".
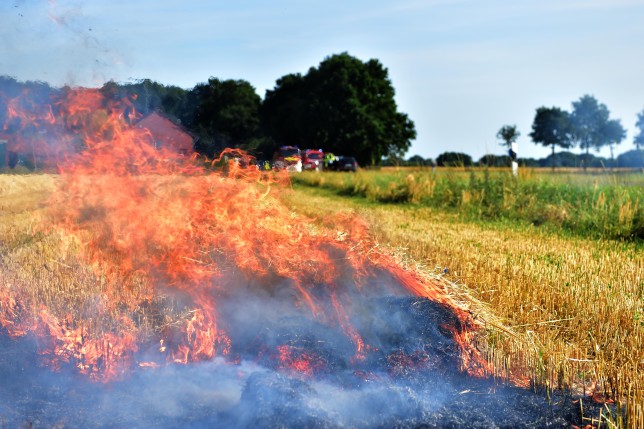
{"x": 606, "y": 206}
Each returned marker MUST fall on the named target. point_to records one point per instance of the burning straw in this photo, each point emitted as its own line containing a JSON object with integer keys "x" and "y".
{"x": 140, "y": 247}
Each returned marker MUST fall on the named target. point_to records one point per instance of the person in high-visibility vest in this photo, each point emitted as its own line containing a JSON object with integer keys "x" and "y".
{"x": 328, "y": 159}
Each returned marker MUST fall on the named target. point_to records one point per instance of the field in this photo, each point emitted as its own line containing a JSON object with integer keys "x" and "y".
{"x": 558, "y": 258}
{"x": 552, "y": 264}
{"x": 596, "y": 205}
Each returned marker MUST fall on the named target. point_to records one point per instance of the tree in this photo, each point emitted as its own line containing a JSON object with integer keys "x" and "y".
{"x": 639, "y": 138}
{"x": 490, "y": 160}
{"x": 418, "y": 160}
{"x": 150, "y": 96}
{"x": 345, "y": 106}
{"x": 286, "y": 113}
{"x": 454, "y": 159}
{"x": 631, "y": 159}
{"x": 223, "y": 114}
{"x": 509, "y": 134}
{"x": 551, "y": 127}
{"x": 613, "y": 133}
{"x": 588, "y": 118}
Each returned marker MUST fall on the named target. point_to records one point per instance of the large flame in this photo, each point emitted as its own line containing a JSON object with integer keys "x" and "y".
{"x": 153, "y": 223}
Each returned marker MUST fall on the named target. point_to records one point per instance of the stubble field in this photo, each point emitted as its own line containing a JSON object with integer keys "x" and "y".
{"x": 563, "y": 304}
{"x": 558, "y": 259}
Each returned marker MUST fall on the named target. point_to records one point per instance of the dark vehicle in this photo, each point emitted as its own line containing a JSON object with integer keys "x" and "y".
{"x": 345, "y": 163}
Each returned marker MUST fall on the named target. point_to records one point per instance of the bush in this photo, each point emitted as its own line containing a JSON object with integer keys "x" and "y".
{"x": 454, "y": 159}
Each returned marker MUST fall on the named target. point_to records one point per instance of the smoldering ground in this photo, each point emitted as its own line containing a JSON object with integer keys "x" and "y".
{"x": 409, "y": 380}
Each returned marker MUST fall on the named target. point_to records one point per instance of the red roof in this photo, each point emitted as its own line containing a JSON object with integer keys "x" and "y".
{"x": 167, "y": 134}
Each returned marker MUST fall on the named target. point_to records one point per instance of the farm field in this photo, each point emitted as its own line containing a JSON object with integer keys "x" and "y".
{"x": 570, "y": 299}
{"x": 600, "y": 204}
{"x": 563, "y": 307}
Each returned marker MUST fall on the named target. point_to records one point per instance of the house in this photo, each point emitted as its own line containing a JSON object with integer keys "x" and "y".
{"x": 167, "y": 134}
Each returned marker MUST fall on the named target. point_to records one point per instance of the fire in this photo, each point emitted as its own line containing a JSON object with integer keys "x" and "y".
{"x": 153, "y": 224}
{"x": 299, "y": 360}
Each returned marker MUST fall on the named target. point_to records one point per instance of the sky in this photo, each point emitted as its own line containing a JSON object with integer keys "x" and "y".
{"x": 461, "y": 69}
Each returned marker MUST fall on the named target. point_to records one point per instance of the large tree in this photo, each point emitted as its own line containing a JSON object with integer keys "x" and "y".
{"x": 639, "y": 138}
{"x": 345, "y": 106}
{"x": 224, "y": 113}
{"x": 551, "y": 127}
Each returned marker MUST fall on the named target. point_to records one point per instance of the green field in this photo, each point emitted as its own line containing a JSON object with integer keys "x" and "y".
{"x": 594, "y": 205}
{"x": 554, "y": 261}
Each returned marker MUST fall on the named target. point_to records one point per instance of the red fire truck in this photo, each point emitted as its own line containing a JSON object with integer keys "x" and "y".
{"x": 288, "y": 158}
{"x": 313, "y": 159}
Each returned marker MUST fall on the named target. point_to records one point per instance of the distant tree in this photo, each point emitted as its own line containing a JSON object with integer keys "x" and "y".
{"x": 146, "y": 96}
{"x": 588, "y": 119}
{"x": 631, "y": 159}
{"x": 570, "y": 159}
{"x": 25, "y": 112}
{"x": 418, "y": 160}
{"x": 393, "y": 160}
{"x": 639, "y": 138}
{"x": 529, "y": 162}
{"x": 9, "y": 87}
{"x": 613, "y": 133}
{"x": 454, "y": 159}
{"x": 345, "y": 106}
{"x": 494, "y": 160}
{"x": 508, "y": 134}
{"x": 551, "y": 127}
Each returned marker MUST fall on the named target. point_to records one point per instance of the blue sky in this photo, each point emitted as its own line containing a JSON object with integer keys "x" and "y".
{"x": 461, "y": 68}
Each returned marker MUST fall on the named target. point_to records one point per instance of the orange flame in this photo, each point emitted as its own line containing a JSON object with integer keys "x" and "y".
{"x": 186, "y": 226}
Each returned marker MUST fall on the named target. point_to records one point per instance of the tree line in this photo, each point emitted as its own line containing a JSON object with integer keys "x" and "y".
{"x": 587, "y": 126}
{"x": 630, "y": 159}
{"x": 344, "y": 105}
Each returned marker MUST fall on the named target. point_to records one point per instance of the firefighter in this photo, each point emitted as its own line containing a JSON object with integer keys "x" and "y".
{"x": 329, "y": 158}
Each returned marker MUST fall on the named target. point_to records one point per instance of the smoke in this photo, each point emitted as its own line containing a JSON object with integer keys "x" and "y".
{"x": 245, "y": 395}
{"x": 409, "y": 378}
{"x": 56, "y": 41}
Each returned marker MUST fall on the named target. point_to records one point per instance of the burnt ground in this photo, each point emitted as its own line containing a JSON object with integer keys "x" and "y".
{"x": 407, "y": 380}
